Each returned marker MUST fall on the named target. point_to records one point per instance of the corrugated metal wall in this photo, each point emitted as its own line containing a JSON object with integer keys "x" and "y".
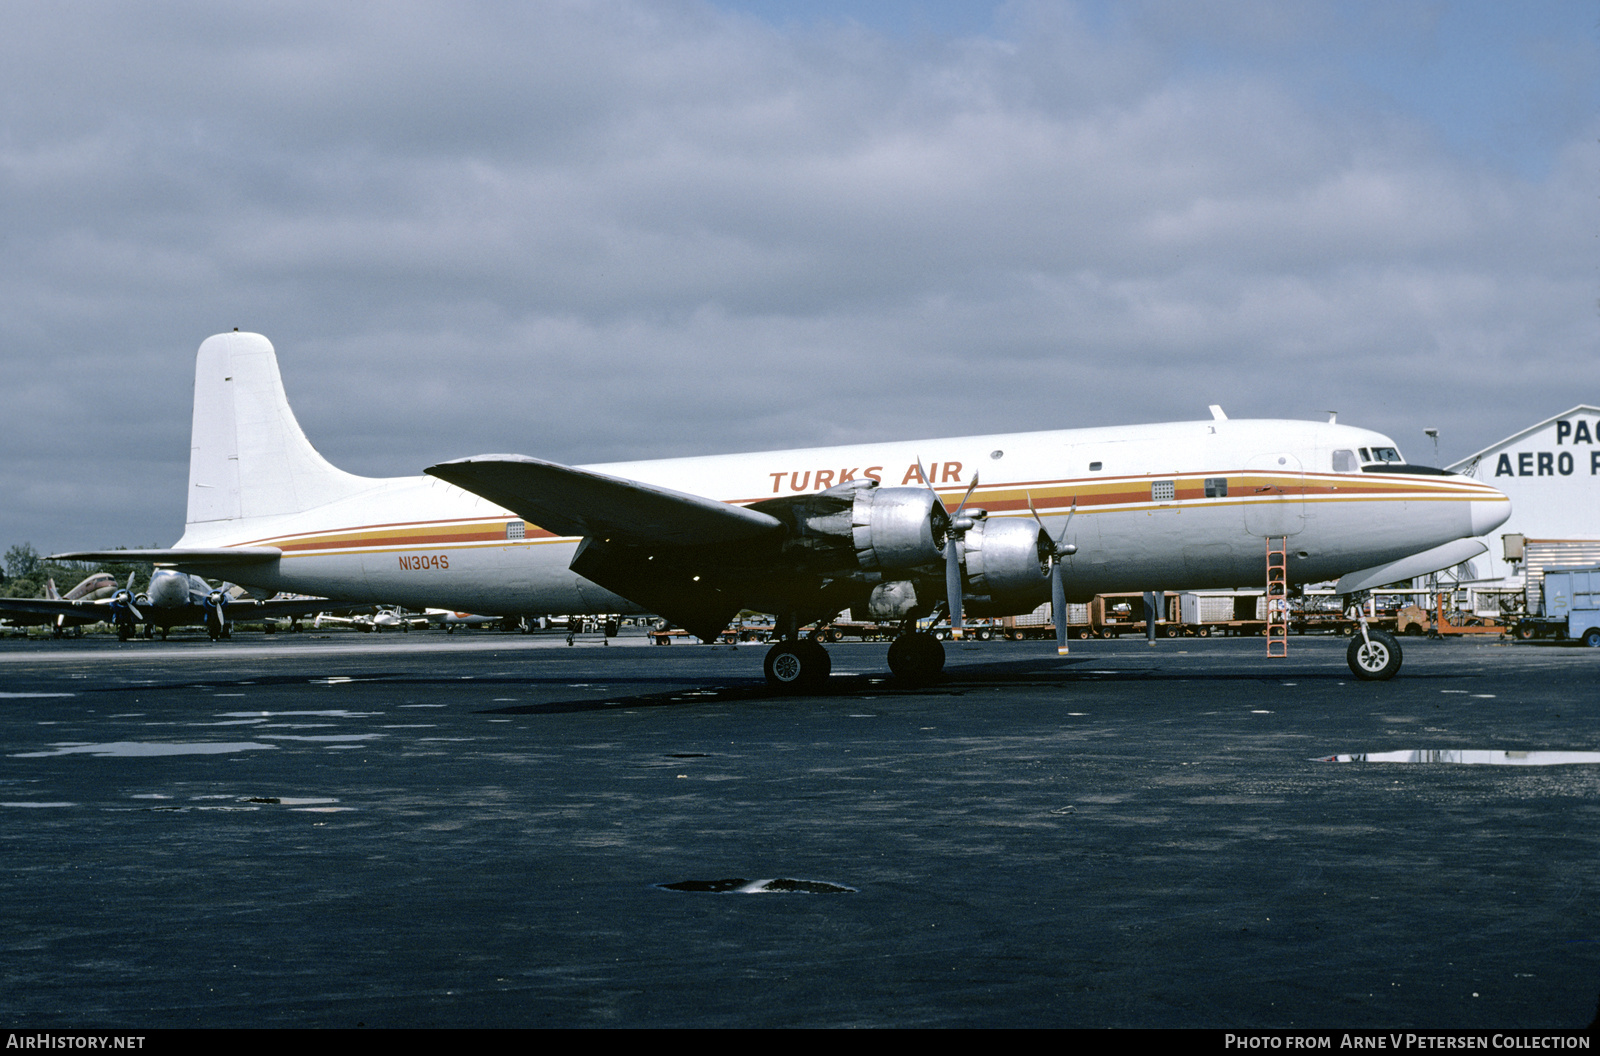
{"x": 1540, "y": 554}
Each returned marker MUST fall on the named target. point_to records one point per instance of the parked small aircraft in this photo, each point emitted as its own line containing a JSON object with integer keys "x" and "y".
{"x": 386, "y": 619}
{"x": 172, "y": 599}
{"x": 93, "y": 587}
{"x": 449, "y": 619}
{"x": 1058, "y": 516}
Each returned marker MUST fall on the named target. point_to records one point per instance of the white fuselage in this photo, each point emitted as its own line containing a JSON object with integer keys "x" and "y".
{"x": 1172, "y": 506}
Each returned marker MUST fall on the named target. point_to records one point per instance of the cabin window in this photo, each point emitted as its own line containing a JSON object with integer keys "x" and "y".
{"x": 1094, "y": 467}
{"x": 1216, "y": 487}
{"x": 1161, "y": 491}
{"x": 515, "y": 530}
{"x": 1344, "y": 461}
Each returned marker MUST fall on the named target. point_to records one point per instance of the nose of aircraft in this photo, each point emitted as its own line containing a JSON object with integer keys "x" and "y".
{"x": 168, "y": 588}
{"x": 1489, "y": 514}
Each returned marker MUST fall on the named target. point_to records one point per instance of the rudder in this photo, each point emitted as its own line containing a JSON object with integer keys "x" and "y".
{"x": 248, "y": 456}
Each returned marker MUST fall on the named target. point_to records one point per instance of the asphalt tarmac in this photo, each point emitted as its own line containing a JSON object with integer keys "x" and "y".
{"x": 478, "y": 830}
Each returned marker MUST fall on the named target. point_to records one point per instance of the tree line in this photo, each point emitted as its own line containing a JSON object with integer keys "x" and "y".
{"x": 24, "y": 572}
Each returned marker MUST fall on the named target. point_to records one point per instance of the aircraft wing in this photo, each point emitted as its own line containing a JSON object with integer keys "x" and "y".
{"x": 88, "y": 611}
{"x": 662, "y": 549}
{"x": 571, "y": 501}
{"x": 250, "y": 609}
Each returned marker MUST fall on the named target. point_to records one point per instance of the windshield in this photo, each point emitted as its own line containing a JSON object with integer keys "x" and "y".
{"x": 1381, "y": 454}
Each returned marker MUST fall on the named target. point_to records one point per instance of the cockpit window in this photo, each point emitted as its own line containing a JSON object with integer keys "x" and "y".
{"x": 1386, "y": 454}
{"x": 1344, "y": 461}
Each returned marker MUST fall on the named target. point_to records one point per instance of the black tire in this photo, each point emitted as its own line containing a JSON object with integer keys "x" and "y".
{"x": 797, "y": 666}
{"x": 1204, "y": 632}
{"x": 1375, "y": 658}
{"x": 1526, "y": 631}
{"x": 1591, "y": 637}
{"x": 916, "y": 658}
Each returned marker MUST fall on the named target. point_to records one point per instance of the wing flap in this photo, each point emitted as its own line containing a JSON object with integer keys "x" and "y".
{"x": 581, "y": 502}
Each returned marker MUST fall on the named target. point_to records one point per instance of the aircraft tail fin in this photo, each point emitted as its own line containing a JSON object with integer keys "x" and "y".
{"x": 248, "y": 456}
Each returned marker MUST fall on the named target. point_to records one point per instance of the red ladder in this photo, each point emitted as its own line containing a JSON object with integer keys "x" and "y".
{"x": 1278, "y": 595}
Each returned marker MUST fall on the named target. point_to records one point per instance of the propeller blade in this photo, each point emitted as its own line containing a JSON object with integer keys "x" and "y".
{"x": 952, "y": 551}
{"x": 1058, "y": 587}
{"x": 1058, "y": 607}
{"x": 970, "y": 489}
{"x": 952, "y": 583}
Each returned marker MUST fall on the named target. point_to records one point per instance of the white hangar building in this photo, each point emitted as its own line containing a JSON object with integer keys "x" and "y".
{"x": 1551, "y": 471}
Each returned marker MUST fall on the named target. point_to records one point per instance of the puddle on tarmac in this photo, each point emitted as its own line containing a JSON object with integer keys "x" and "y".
{"x": 1470, "y": 756}
{"x": 740, "y": 886}
{"x": 312, "y": 805}
{"x": 337, "y": 713}
{"x": 142, "y": 748}
{"x": 325, "y": 737}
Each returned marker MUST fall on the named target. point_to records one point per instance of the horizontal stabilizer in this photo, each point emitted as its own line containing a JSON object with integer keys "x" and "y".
{"x": 570, "y": 501}
{"x": 239, "y": 555}
{"x": 214, "y": 561}
{"x": 1440, "y": 557}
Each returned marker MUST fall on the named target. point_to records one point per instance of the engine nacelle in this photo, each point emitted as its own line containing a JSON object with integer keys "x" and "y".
{"x": 1007, "y": 558}
{"x": 898, "y": 528}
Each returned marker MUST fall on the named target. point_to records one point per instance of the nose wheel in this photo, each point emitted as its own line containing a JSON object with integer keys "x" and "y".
{"x": 1375, "y": 657}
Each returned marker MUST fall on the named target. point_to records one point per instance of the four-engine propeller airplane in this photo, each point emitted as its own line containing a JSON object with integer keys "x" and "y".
{"x": 805, "y": 534}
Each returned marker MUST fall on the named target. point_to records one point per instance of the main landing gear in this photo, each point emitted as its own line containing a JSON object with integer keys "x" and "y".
{"x": 916, "y": 658}
{"x": 800, "y": 665}
{"x": 797, "y": 665}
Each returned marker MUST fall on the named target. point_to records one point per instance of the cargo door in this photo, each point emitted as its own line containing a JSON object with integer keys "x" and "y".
{"x": 1273, "y": 493}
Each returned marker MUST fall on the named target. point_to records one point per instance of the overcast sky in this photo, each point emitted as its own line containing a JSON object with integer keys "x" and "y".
{"x": 616, "y": 230}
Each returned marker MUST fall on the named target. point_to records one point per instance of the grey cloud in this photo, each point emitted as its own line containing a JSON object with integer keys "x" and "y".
{"x": 616, "y": 230}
